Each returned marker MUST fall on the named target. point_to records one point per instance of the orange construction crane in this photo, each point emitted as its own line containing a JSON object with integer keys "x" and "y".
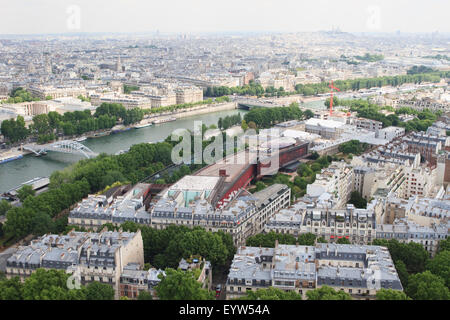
{"x": 331, "y": 99}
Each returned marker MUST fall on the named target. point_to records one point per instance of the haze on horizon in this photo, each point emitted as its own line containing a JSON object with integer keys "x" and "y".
{"x": 193, "y": 16}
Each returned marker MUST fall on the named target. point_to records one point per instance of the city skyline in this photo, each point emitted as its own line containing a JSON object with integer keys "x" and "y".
{"x": 198, "y": 16}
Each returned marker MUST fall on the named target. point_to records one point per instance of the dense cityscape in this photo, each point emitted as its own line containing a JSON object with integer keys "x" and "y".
{"x": 225, "y": 166}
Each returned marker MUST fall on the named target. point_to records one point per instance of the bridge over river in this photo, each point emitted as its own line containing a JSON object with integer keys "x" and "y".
{"x": 64, "y": 146}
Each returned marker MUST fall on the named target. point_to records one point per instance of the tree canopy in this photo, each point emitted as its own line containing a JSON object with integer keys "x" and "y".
{"x": 271, "y": 293}
{"x": 327, "y": 293}
{"x": 181, "y": 285}
{"x": 427, "y": 286}
{"x": 390, "y": 294}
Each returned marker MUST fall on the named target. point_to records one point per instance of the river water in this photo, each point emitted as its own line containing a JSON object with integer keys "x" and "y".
{"x": 15, "y": 172}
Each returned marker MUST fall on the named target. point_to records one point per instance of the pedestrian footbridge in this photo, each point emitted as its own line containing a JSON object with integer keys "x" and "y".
{"x": 65, "y": 146}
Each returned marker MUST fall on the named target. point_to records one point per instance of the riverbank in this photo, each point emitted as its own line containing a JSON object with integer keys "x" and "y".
{"x": 15, "y": 172}
{"x": 11, "y": 155}
{"x": 196, "y": 110}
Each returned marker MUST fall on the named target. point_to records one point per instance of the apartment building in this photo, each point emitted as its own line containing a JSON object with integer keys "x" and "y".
{"x": 356, "y": 225}
{"x": 188, "y": 95}
{"x": 405, "y": 231}
{"x": 377, "y": 178}
{"x": 390, "y": 133}
{"x": 242, "y": 217}
{"x": 358, "y": 270}
{"x": 30, "y": 109}
{"x": 158, "y": 101}
{"x": 43, "y": 92}
{"x": 96, "y": 210}
{"x": 427, "y": 145}
{"x": 88, "y": 256}
{"x": 129, "y": 102}
{"x": 328, "y": 129}
{"x": 418, "y": 181}
{"x": 134, "y": 280}
{"x": 368, "y": 124}
{"x": 337, "y": 180}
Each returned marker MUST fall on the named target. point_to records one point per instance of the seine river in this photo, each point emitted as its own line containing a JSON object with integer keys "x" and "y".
{"x": 15, "y": 172}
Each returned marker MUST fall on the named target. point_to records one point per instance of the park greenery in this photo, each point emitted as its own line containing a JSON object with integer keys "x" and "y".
{"x": 267, "y": 117}
{"x": 51, "y": 285}
{"x": 255, "y": 89}
{"x": 370, "y": 57}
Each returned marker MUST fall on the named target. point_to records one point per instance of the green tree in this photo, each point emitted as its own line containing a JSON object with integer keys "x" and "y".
{"x": 4, "y": 207}
{"x": 144, "y": 295}
{"x": 25, "y": 192}
{"x": 306, "y": 239}
{"x": 390, "y": 294}
{"x": 244, "y": 125}
{"x": 14, "y": 130}
{"x": 99, "y": 291}
{"x": 41, "y": 223}
{"x": 271, "y": 293}
{"x": 327, "y": 293}
{"x": 343, "y": 241}
{"x": 18, "y": 222}
{"x": 412, "y": 254}
{"x": 427, "y": 286}
{"x": 260, "y": 186}
{"x": 180, "y": 285}
{"x": 440, "y": 266}
{"x": 444, "y": 245}
{"x": 50, "y": 285}
{"x": 11, "y": 289}
{"x": 308, "y": 114}
{"x": 402, "y": 272}
{"x": 357, "y": 200}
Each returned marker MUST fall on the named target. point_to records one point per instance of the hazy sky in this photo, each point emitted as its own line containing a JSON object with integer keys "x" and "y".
{"x": 62, "y": 16}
